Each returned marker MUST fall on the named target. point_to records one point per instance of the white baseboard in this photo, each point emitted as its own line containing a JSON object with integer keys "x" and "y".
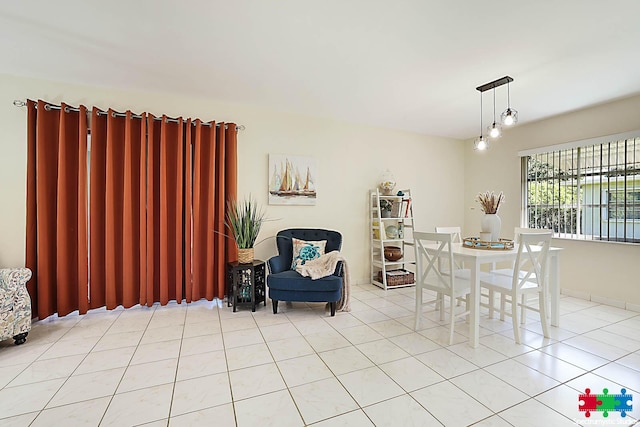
{"x": 601, "y": 300}
{"x": 608, "y": 301}
{"x": 633, "y": 307}
{"x": 575, "y": 294}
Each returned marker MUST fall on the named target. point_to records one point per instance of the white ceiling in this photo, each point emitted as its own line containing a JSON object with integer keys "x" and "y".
{"x": 406, "y": 64}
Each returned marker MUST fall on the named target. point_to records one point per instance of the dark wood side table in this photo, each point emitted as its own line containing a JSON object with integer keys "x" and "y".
{"x": 246, "y": 284}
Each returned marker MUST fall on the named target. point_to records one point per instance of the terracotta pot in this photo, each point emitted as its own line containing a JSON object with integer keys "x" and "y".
{"x": 392, "y": 253}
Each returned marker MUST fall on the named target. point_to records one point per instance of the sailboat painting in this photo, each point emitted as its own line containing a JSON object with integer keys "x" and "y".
{"x": 292, "y": 180}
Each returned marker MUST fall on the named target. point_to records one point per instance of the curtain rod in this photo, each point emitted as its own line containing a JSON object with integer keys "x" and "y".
{"x": 47, "y": 106}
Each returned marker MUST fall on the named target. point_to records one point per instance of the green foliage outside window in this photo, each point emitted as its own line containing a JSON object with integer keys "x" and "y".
{"x": 551, "y": 199}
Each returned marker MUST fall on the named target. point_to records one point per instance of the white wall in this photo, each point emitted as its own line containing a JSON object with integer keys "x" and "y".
{"x": 350, "y": 160}
{"x": 596, "y": 269}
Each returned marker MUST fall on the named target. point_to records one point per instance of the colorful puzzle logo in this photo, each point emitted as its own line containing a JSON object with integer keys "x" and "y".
{"x": 605, "y": 402}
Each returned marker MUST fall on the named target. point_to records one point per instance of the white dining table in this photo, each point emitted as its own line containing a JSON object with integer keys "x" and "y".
{"x": 475, "y": 258}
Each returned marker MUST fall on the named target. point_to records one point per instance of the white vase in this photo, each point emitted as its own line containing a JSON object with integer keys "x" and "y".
{"x": 491, "y": 223}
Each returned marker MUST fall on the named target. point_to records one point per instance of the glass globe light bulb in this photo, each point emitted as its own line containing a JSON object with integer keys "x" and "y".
{"x": 509, "y": 117}
{"x": 508, "y": 120}
{"x": 480, "y": 144}
{"x": 494, "y": 130}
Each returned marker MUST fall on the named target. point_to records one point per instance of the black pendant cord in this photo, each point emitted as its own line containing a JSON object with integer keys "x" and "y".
{"x": 480, "y": 114}
{"x": 494, "y": 107}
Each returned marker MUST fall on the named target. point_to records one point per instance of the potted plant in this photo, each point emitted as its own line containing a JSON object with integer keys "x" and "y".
{"x": 244, "y": 220}
{"x": 489, "y": 204}
{"x": 386, "y": 206}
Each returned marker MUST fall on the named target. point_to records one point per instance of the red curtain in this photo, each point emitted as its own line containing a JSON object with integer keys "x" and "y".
{"x": 230, "y": 189}
{"x": 165, "y": 229}
{"x": 125, "y": 216}
{"x": 214, "y": 148}
{"x": 202, "y": 142}
{"x": 158, "y": 191}
{"x": 56, "y": 245}
{"x": 97, "y": 220}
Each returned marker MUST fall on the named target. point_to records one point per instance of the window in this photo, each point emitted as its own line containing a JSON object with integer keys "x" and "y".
{"x": 623, "y": 205}
{"x": 585, "y": 191}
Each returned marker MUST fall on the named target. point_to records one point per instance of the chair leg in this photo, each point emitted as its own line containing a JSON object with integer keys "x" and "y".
{"x": 523, "y": 308}
{"x": 333, "y": 308}
{"x": 466, "y": 307}
{"x": 441, "y": 304}
{"x": 452, "y": 318}
{"x": 542, "y": 306}
{"x": 502, "y": 304}
{"x": 491, "y": 303}
{"x": 514, "y": 317}
{"x": 418, "y": 313}
{"x": 274, "y": 304}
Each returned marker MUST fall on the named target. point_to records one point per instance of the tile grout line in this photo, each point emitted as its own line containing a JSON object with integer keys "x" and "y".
{"x": 502, "y": 333}
{"x": 76, "y": 368}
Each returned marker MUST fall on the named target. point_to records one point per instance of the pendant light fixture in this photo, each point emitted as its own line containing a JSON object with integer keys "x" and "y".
{"x": 480, "y": 143}
{"x": 509, "y": 117}
{"x": 495, "y": 130}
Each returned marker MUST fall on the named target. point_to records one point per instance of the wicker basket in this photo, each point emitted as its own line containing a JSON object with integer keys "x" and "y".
{"x": 398, "y": 277}
{"x": 245, "y": 256}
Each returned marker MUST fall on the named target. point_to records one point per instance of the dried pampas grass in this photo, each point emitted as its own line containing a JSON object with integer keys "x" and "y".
{"x": 489, "y": 202}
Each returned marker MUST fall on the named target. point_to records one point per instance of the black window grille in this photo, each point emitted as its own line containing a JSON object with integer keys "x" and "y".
{"x": 590, "y": 192}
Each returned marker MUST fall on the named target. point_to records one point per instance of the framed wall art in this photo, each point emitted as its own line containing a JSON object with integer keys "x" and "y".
{"x": 292, "y": 180}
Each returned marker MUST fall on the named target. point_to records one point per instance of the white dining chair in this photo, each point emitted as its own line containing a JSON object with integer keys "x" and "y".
{"x": 528, "y": 276}
{"x": 517, "y": 231}
{"x": 456, "y": 237}
{"x": 461, "y": 271}
{"x": 430, "y": 277}
{"x": 456, "y": 231}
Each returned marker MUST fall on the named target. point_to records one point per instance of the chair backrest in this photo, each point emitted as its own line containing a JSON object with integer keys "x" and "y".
{"x": 456, "y": 237}
{"x": 284, "y": 240}
{"x": 428, "y": 271}
{"x": 531, "y": 261}
{"x": 456, "y": 231}
{"x": 517, "y": 231}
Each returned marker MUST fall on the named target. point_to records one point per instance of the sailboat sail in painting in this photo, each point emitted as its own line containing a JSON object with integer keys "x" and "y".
{"x": 292, "y": 180}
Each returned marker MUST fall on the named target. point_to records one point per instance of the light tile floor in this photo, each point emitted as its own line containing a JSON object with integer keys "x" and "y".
{"x": 202, "y": 364}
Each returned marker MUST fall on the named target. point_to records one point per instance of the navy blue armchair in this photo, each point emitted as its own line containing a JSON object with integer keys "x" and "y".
{"x": 286, "y": 284}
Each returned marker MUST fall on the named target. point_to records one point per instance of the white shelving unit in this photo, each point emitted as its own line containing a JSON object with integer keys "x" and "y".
{"x": 382, "y": 234}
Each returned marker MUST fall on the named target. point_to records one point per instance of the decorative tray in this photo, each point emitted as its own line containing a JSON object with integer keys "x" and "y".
{"x": 476, "y": 243}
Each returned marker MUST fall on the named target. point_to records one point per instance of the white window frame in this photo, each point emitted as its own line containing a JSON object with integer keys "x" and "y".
{"x": 568, "y": 171}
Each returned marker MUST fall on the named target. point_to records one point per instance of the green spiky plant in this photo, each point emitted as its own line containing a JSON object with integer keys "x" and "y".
{"x": 244, "y": 219}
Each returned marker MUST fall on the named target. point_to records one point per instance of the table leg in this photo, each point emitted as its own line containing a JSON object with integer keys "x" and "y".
{"x": 229, "y": 285}
{"x": 253, "y": 290}
{"x": 554, "y": 288}
{"x": 474, "y": 324}
{"x": 235, "y": 295}
{"x": 418, "y": 314}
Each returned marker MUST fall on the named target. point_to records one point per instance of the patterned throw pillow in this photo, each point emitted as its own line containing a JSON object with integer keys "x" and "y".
{"x": 304, "y": 251}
